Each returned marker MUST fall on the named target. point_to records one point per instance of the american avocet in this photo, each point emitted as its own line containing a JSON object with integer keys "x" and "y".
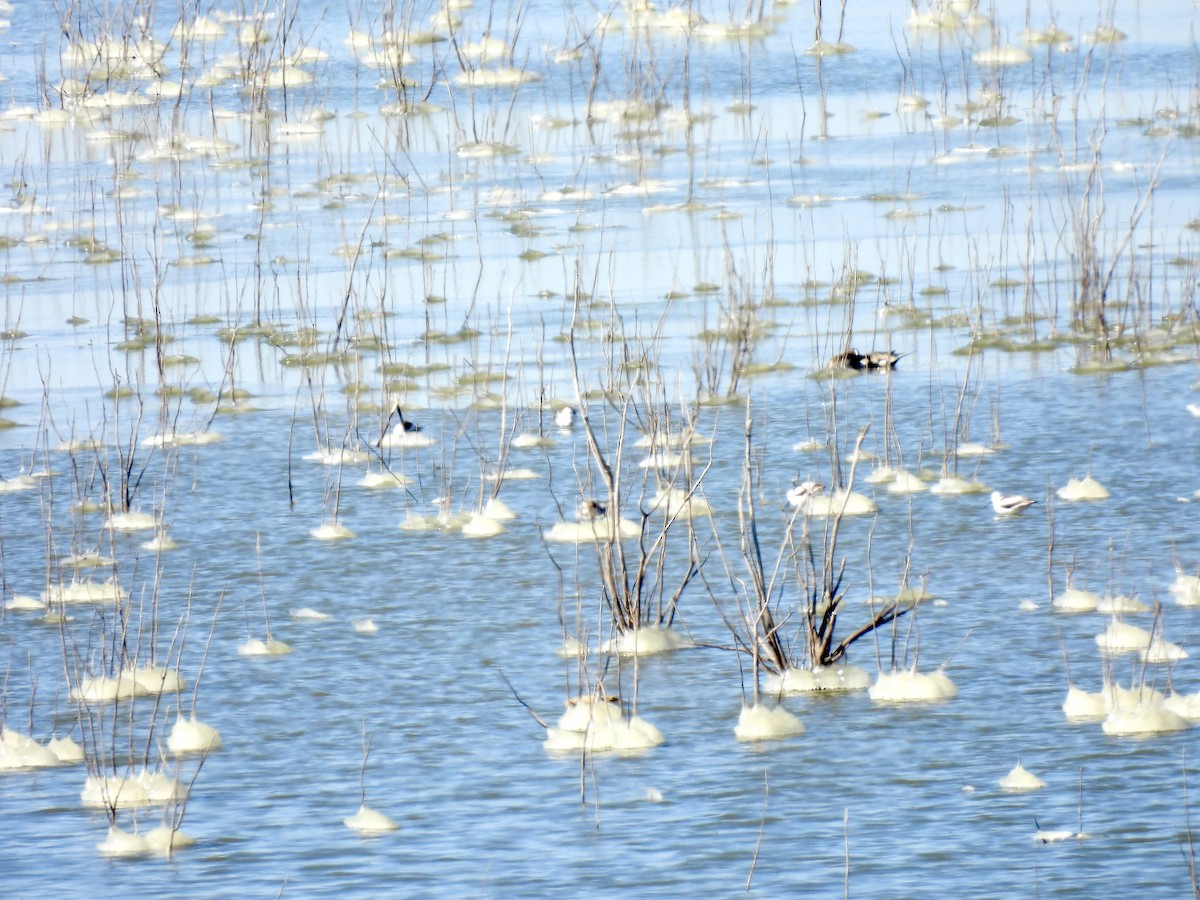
{"x": 591, "y": 510}
{"x": 1010, "y": 505}
{"x": 876, "y": 359}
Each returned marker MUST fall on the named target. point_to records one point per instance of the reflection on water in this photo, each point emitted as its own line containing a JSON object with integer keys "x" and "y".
{"x": 243, "y": 249}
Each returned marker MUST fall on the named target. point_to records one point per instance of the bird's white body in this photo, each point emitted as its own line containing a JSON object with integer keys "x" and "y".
{"x": 1011, "y": 504}
{"x": 565, "y": 417}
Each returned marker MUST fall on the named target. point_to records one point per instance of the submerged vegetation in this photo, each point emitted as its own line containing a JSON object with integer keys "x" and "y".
{"x": 617, "y": 354}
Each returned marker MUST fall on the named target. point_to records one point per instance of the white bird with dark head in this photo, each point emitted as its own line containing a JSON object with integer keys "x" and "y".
{"x": 803, "y": 490}
{"x": 565, "y": 417}
{"x": 1011, "y": 504}
{"x": 591, "y": 510}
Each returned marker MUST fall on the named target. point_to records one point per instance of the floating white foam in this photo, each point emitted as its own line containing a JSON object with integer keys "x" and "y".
{"x": 822, "y": 678}
{"x": 599, "y": 725}
{"x": 1020, "y": 780}
{"x": 911, "y": 686}
{"x": 1186, "y": 589}
{"x": 143, "y": 789}
{"x": 1162, "y": 651}
{"x": 591, "y": 531}
{"x": 1077, "y": 489}
{"x": 192, "y": 736}
{"x": 123, "y": 843}
{"x": 376, "y": 480}
{"x": 24, "y": 603}
{"x": 856, "y": 504}
{"x": 760, "y": 722}
{"x": 306, "y": 612}
{"x": 1186, "y": 706}
{"x": 1076, "y": 600}
{"x": 481, "y": 526}
{"x": 182, "y": 439}
{"x": 332, "y": 531}
{"x": 255, "y": 647}
{"x": 1081, "y": 705}
{"x": 364, "y": 626}
{"x": 906, "y": 483}
{"x": 497, "y": 509}
{"x": 1148, "y": 714}
{"x": 108, "y": 591}
{"x": 673, "y": 501}
{"x": 160, "y": 543}
{"x": 645, "y": 641}
{"x": 1120, "y": 605}
{"x": 954, "y": 485}
{"x": 164, "y": 841}
{"x": 973, "y": 449}
{"x": 131, "y": 521}
{"x": 517, "y": 474}
{"x": 528, "y": 441}
{"x": 399, "y": 439}
{"x": 369, "y": 821}
{"x": 1120, "y": 637}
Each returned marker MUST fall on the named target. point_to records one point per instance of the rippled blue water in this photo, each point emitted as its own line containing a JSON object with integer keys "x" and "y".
{"x": 907, "y": 794}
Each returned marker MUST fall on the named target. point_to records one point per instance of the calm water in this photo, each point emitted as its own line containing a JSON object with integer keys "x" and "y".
{"x": 436, "y": 256}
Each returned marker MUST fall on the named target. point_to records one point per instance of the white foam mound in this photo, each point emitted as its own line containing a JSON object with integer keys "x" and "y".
{"x": 123, "y": 843}
{"x": 24, "y": 603}
{"x": 131, "y": 521}
{"x": 1021, "y": 779}
{"x": 107, "y": 591}
{"x": 497, "y": 509}
{"x": 20, "y": 751}
{"x": 766, "y": 723}
{"x": 591, "y": 531}
{"x": 1119, "y": 637}
{"x": 830, "y": 505}
{"x": 530, "y": 441}
{"x": 255, "y": 647}
{"x": 597, "y": 724}
{"x": 376, "y": 480}
{"x": 399, "y": 439}
{"x": 1076, "y": 600}
{"x": 821, "y": 678}
{"x": 675, "y": 502}
{"x": 1161, "y": 651}
{"x": 88, "y": 559}
{"x": 906, "y": 483}
{"x": 1186, "y": 706}
{"x": 192, "y": 736}
{"x": 369, "y": 821}
{"x": 160, "y": 543}
{"x": 1150, "y": 716}
{"x": 911, "y": 686}
{"x": 1186, "y": 589}
{"x": 182, "y": 439}
{"x": 165, "y": 841}
{"x": 1081, "y": 705}
{"x": 143, "y": 789}
{"x": 481, "y": 525}
{"x": 1077, "y": 489}
{"x": 364, "y": 626}
{"x": 954, "y": 485}
{"x": 332, "y": 531}
{"x": 1120, "y": 605}
{"x": 145, "y": 681}
{"x": 645, "y": 641}
{"x": 973, "y": 448}
{"x": 67, "y": 750}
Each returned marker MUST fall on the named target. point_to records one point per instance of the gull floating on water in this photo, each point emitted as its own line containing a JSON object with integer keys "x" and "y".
{"x": 1011, "y": 504}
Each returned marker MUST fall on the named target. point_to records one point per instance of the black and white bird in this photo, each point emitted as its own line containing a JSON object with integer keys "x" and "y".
{"x": 803, "y": 490}
{"x": 591, "y": 510}
{"x": 873, "y": 361}
{"x": 1011, "y": 504}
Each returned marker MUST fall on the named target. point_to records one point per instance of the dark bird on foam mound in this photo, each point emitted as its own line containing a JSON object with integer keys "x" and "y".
{"x": 876, "y": 359}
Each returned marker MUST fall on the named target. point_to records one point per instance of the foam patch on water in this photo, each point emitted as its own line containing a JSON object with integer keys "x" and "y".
{"x": 760, "y": 722}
